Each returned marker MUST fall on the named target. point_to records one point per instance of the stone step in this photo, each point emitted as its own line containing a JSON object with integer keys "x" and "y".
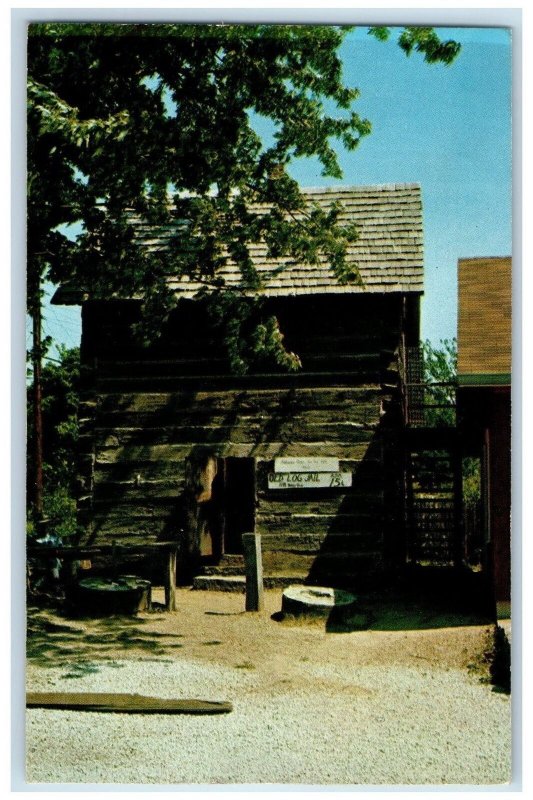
{"x": 220, "y": 583}
{"x": 237, "y": 583}
{"x": 228, "y": 565}
{"x": 232, "y": 560}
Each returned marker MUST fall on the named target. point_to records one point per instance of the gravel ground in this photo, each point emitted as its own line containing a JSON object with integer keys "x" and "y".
{"x": 380, "y": 706}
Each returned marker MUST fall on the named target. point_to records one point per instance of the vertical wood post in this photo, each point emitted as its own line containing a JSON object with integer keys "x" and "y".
{"x": 170, "y": 581}
{"x": 37, "y": 356}
{"x": 114, "y": 561}
{"x": 253, "y": 565}
{"x": 459, "y": 543}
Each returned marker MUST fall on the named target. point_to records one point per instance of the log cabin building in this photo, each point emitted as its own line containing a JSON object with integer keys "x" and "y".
{"x": 176, "y": 448}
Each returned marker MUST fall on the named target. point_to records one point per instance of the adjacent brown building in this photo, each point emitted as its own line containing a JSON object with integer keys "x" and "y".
{"x": 484, "y": 401}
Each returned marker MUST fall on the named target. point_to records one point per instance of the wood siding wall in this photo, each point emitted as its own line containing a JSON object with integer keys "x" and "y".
{"x": 146, "y": 414}
{"x": 484, "y": 320}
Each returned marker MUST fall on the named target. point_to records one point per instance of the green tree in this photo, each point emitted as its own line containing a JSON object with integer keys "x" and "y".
{"x": 60, "y": 396}
{"x": 440, "y": 374}
{"x": 157, "y": 120}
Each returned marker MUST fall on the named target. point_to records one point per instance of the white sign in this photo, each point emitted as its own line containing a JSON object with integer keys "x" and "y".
{"x": 306, "y": 464}
{"x": 309, "y": 480}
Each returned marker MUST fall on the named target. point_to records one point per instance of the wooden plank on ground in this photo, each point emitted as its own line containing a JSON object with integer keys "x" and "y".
{"x": 124, "y": 703}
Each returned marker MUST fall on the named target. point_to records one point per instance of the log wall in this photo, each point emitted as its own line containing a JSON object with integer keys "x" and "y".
{"x": 147, "y": 414}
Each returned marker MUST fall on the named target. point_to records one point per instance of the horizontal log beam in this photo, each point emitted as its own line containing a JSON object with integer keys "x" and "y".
{"x": 252, "y": 399}
{"x": 323, "y": 524}
{"x": 348, "y": 503}
{"x": 231, "y": 382}
{"x": 125, "y": 530}
{"x": 121, "y": 368}
{"x": 367, "y": 475}
{"x": 84, "y": 551}
{"x": 276, "y": 564}
{"x": 348, "y": 413}
{"x": 144, "y": 454}
{"x": 314, "y": 542}
{"x": 254, "y": 433}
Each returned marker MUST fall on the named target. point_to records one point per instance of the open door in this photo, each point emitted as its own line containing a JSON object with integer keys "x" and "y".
{"x": 222, "y": 506}
{"x": 236, "y": 485}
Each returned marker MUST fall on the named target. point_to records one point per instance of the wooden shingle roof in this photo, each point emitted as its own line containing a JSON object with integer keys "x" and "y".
{"x": 388, "y": 251}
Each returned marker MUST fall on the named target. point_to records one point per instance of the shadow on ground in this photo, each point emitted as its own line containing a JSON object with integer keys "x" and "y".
{"x": 419, "y": 599}
{"x": 416, "y": 601}
{"x": 63, "y": 640}
{"x": 401, "y": 614}
{"x": 422, "y": 598}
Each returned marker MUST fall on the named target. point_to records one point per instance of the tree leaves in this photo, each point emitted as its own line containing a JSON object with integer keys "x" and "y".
{"x": 60, "y": 393}
{"x": 440, "y": 373}
{"x": 426, "y": 41}
{"x": 159, "y": 121}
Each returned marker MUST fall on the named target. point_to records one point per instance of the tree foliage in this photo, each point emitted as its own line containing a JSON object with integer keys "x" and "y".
{"x": 440, "y": 374}
{"x": 60, "y": 397}
{"x": 159, "y": 120}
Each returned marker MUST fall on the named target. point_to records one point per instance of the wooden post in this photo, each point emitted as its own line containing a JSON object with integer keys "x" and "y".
{"x": 114, "y": 561}
{"x": 37, "y": 357}
{"x": 170, "y": 581}
{"x": 253, "y": 566}
{"x": 459, "y": 555}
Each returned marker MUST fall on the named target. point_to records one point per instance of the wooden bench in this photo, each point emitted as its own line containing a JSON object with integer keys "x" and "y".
{"x": 75, "y": 553}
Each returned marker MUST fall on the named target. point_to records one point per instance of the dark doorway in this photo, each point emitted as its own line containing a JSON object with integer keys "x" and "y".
{"x": 237, "y": 490}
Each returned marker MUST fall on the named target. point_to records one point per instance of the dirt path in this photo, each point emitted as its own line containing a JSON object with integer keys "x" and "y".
{"x": 213, "y": 627}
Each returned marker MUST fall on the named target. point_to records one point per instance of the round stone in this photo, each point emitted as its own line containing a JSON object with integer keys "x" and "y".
{"x": 315, "y": 600}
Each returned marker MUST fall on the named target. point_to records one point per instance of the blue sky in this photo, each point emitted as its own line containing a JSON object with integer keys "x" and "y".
{"x": 447, "y": 128}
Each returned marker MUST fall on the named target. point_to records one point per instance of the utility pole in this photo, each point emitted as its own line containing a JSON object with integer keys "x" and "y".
{"x": 37, "y": 450}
